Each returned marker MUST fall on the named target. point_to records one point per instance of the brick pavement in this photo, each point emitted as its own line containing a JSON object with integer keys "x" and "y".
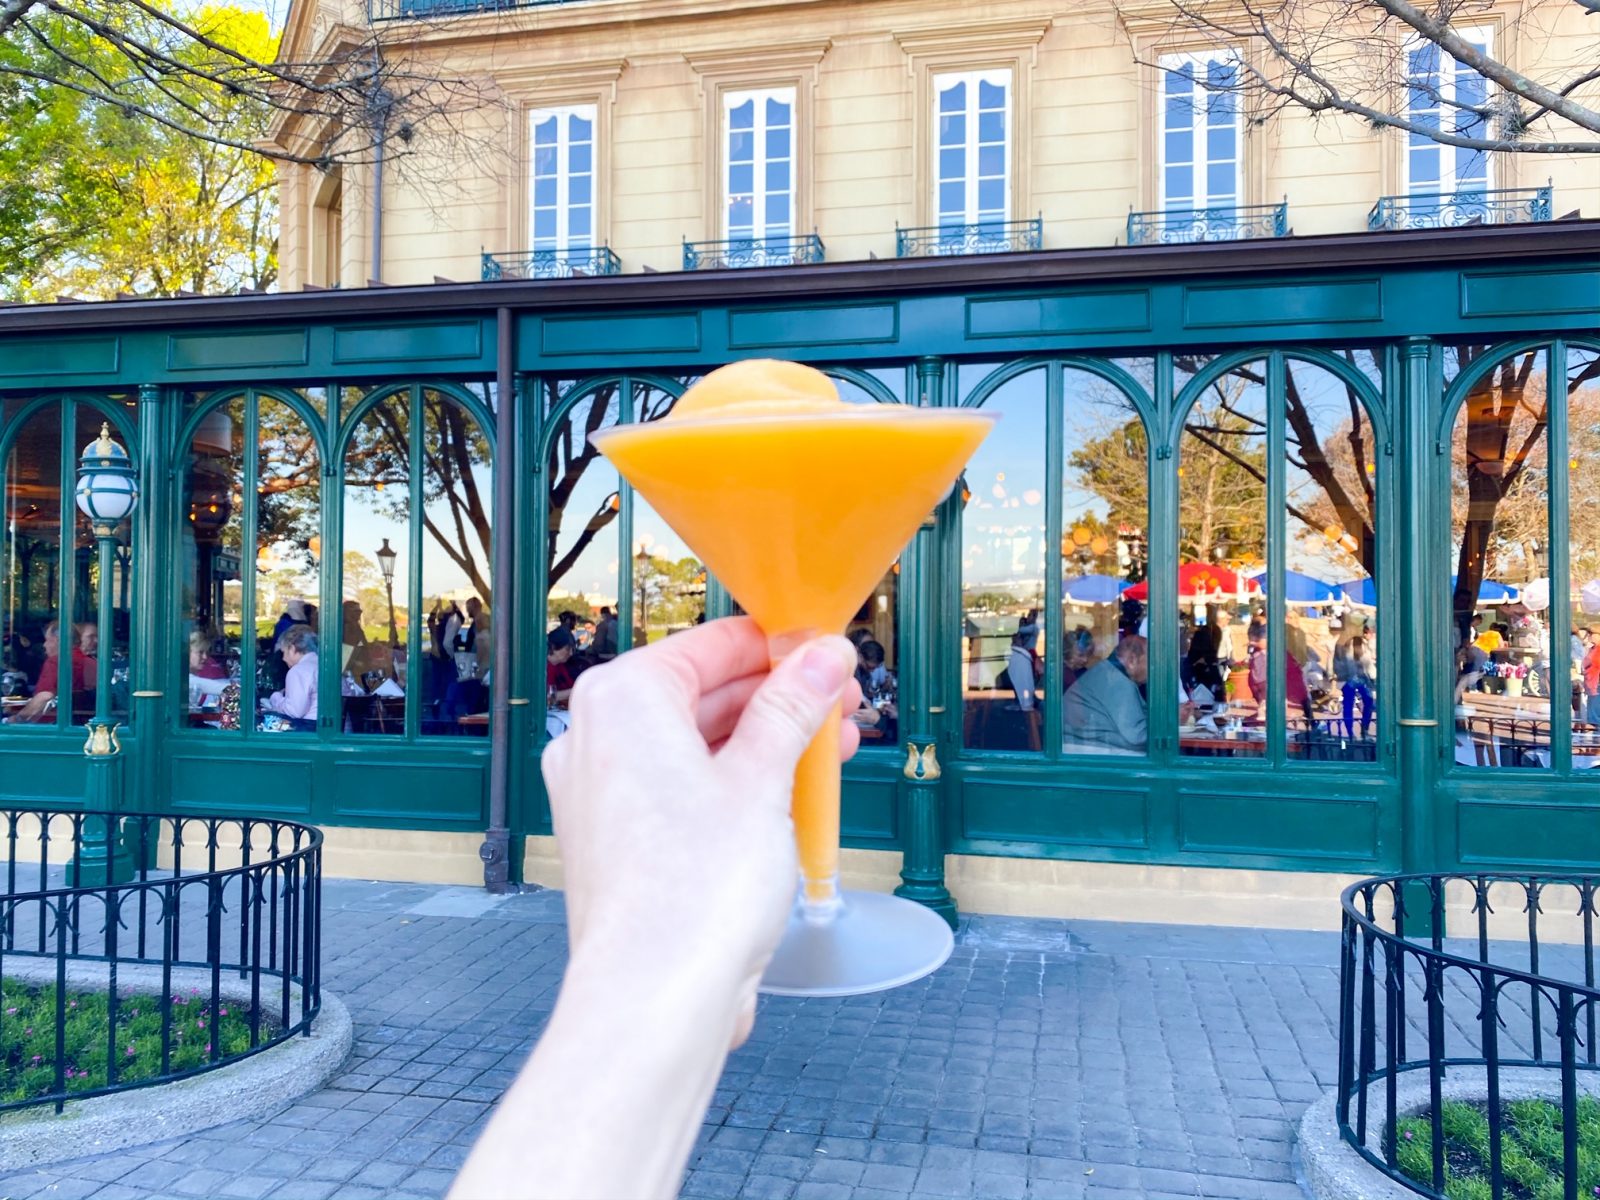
{"x": 1048, "y": 1061}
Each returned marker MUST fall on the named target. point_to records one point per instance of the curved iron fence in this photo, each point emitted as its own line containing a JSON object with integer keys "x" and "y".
{"x": 1416, "y": 1004}
{"x": 158, "y": 904}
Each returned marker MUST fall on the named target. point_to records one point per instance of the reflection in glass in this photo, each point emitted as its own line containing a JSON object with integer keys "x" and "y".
{"x": 31, "y": 655}
{"x": 1583, "y": 525}
{"x": 1002, "y": 572}
{"x": 1104, "y": 550}
{"x": 377, "y": 570}
{"x": 288, "y": 565}
{"x": 666, "y": 582}
{"x": 91, "y": 640}
{"x": 1222, "y": 548}
{"x": 1500, "y": 519}
{"x": 1330, "y": 585}
{"x": 457, "y": 592}
{"x": 875, "y": 631}
{"x": 210, "y": 544}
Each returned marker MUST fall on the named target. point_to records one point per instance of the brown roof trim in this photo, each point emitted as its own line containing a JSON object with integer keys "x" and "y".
{"x": 1474, "y": 246}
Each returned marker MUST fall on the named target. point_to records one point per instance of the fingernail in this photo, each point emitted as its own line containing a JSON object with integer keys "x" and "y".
{"x": 823, "y": 669}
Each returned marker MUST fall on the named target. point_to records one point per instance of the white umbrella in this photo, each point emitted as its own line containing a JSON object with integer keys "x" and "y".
{"x": 1589, "y": 596}
{"x": 1536, "y": 595}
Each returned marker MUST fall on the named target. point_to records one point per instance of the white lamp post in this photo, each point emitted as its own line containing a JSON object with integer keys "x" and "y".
{"x": 107, "y": 491}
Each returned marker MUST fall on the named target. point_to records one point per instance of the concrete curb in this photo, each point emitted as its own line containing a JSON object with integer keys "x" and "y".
{"x": 257, "y": 1086}
{"x": 1333, "y": 1169}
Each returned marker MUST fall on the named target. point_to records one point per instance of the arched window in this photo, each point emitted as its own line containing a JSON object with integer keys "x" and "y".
{"x": 1524, "y": 512}
{"x": 416, "y": 539}
{"x": 1278, "y": 503}
{"x": 51, "y": 640}
{"x": 250, "y": 562}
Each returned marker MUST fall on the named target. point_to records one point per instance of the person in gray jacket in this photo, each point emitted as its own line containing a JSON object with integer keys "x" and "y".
{"x": 1106, "y": 707}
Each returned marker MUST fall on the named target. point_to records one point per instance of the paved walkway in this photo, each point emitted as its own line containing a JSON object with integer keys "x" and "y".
{"x": 1049, "y": 1060}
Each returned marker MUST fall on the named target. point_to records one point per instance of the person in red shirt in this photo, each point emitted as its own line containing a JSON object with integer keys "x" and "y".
{"x": 1591, "y": 674}
{"x": 558, "y": 674}
{"x": 48, "y": 685}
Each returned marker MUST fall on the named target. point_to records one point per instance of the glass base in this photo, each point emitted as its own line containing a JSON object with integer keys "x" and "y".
{"x": 876, "y": 942}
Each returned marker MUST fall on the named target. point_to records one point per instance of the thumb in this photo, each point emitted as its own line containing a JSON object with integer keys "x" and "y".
{"x": 792, "y": 704}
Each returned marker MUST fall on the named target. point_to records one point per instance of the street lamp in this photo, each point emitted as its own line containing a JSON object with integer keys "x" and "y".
{"x": 386, "y": 559}
{"x": 108, "y": 489}
{"x": 641, "y": 582}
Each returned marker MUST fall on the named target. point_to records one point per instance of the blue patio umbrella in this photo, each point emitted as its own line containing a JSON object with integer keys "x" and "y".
{"x": 1301, "y": 589}
{"x": 1360, "y": 592}
{"x": 1491, "y": 591}
{"x": 1092, "y": 589}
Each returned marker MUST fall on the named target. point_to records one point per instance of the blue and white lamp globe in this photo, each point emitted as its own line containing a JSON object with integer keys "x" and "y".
{"x": 107, "y": 486}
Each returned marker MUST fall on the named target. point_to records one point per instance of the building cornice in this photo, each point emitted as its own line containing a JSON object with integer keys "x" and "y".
{"x": 773, "y": 58}
{"x": 1299, "y": 257}
{"x": 977, "y": 37}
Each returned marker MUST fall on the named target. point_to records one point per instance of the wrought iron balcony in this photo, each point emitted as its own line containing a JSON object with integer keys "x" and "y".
{"x": 736, "y": 253}
{"x": 406, "y": 10}
{"x": 1484, "y": 206}
{"x": 551, "y": 264}
{"x": 980, "y": 237}
{"x": 1232, "y": 223}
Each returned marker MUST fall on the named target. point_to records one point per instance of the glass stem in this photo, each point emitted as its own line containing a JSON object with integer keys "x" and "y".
{"x": 815, "y": 804}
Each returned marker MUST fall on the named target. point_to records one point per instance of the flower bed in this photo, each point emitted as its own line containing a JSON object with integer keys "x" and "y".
{"x": 28, "y": 1038}
{"x": 1531, "y": 1149}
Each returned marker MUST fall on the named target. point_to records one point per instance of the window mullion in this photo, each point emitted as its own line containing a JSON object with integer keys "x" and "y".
{"x": 563, "y": 171}
{"x": 1558, "y": 546}
{"x": 1277, "y": 713}
{"x": 417, "y": 424}
{"x": 972, "y": 114}
{"x": 66, "y": 556}
{"x": 249, "y": 701}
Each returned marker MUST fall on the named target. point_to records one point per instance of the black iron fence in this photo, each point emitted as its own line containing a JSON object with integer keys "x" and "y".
{"x": 217, "y": 922}
{"x": 1487, "y": 1019}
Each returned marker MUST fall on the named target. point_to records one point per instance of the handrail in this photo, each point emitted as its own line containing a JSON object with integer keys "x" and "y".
{"x": 1386, "y": 969}
{"x": 1217, "y": 223}
{"x": 570, "y": 263}
{"x": 976, "y": 237}
{"x": 787, "y": 250}
{"x": 1467, "y": 206}
{"x": 257, "y": 916}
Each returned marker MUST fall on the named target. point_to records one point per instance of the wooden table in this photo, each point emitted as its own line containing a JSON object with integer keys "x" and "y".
{"x": 1232, "y": 745}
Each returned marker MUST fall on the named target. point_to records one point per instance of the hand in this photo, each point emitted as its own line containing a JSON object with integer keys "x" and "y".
{"x": 670, "y": 797}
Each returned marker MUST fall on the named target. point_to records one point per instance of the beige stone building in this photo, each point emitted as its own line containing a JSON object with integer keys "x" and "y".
{"x": 639, "y": 125}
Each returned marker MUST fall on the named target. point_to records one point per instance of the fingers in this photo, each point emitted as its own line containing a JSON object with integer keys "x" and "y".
{"x": 719, "y": 709}
{"x": 692, "y": 663}
{"x": 786, "y": 711}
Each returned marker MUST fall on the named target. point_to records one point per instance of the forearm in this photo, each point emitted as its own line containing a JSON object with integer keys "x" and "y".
{"x": 608, "y": 1106}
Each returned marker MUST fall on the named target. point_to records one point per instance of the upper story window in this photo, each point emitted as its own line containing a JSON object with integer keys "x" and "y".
{"x": 1442, "y": 95}
{"x": 758, "y": 128}
{"x": 972, "y": 181}
{"x": 561, "y": 154}
{"x": 1201, "y": 166}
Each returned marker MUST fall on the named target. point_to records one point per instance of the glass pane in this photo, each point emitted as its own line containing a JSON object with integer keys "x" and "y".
{"x": 1002, "y": 573}
{"x": 581, "y": 550}
{"x": 1330, "y": 588}
{"x": 1499, "y": 517}
{"x": 1222, "y": 548}
{"x": 992, "y": 128}
{"x": 952, "y": 95}
{"x": 92, "y": 640}
{"x": 209, "y": 544}
{"x": 1104, "y": 550}
{"x": 457, "y": 494}
{"x": 1583, "y": 533}
{"x": 31, "y": 657}
{"x": 288, "y": 567}
{"x": 376, "y": 577}
{"x": 666, "y": 581}
{"x": 875, "y": 630}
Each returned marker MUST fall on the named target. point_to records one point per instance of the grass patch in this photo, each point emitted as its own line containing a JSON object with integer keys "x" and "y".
{"x": 28, "y": 1038}
{"x": 1531, "y": 1150}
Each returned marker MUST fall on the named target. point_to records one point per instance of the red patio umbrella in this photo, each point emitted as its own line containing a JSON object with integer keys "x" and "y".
{"x": 1197, "y": 579}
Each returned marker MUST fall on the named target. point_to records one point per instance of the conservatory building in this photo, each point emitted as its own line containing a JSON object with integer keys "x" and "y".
{"x": 1321, "y": 514}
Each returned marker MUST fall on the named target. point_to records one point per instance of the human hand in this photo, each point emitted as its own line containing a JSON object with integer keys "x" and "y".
{"x": 670, "y": 797}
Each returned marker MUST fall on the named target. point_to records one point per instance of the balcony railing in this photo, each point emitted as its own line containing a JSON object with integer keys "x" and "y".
{"x": 406, "y": 10}
{"x": 980, "y": 237}
{"x": 1485, "y": 206}
{"x": 736, "y": 253}
{"x": 1232, "y": 223}
{"x": 551, "y": 264}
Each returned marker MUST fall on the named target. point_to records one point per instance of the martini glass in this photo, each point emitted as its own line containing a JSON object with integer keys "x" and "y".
{"x": 776, "y": 505}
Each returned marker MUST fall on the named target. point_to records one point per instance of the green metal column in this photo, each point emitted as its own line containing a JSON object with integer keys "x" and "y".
{"x": 921, "y": 792}
{"x": 148, "y": 656}
{"x": 1414, "y": 559}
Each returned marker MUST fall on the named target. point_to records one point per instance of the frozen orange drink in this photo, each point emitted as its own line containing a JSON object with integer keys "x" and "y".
{"x": 764, "y": 472}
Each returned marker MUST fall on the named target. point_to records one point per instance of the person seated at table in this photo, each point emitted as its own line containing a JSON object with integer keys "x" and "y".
{"x": 79, "y": 675}
{"x": 877, "y": 684}
{"x": 1022, "y": 660}
{"x": 1106, "y": 707}
{"x": 207, "y": 675}
{"x": 352, "y": 636}
{"x": 558, "y": 676}
{"x": 604, "y": 643}
{"x": 1204, "y": 661}
{"x": 298, "y": 699}
{"x": 1294, "y": 680}
{"x": 1470, "y": 662}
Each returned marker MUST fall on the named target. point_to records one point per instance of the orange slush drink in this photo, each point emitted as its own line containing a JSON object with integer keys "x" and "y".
{"x": 798, "y": 503}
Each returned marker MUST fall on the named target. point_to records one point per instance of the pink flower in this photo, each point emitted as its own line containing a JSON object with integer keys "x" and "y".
{"x": 201, "y": 1024}
{"x": 37, "y": 1057}
{"x": 74, "y": 1004}
{"x": 208, "y": 1047}
{"x": 130, "y": 1051}
{"x": 223, "y": 1011}
{"x": 11, "y": 1012}
{"x": 1408, "y": 1138}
